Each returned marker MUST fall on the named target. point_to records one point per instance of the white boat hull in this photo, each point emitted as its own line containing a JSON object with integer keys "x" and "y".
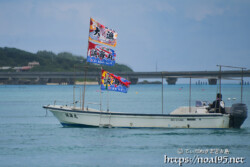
{"x": 94, "y": 118}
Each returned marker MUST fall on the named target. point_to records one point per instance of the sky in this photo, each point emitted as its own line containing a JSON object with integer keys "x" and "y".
{"x": 162, "y": 35}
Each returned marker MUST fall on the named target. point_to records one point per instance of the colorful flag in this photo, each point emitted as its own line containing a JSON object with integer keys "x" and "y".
{"x": 101, "y": 34}
{"x": 100, "y": 55}
{"x": 114, "y": 83}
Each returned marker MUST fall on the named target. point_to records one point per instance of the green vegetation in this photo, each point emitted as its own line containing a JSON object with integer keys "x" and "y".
{"x": 51, "y": 62}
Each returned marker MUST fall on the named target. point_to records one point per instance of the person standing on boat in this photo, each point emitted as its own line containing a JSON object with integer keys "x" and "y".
{"x": 218, "y": 105}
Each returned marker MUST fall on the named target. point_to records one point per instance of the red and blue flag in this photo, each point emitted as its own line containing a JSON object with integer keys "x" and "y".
{"x": 102, "y": 34}
{"x": 100, "y": 55}
{"x": 113, "y": 82}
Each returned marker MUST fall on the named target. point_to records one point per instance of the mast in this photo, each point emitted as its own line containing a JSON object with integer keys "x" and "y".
{"x": 220, "y": 96}
{"x": 108, "y": 101}
{"x": 74, "y": 86}
{"x": 161, "y": 92}
{"x": 241, "y": 88}
{"x": 84, "y": 87}
{"x": 85, "y": 79}
{"x": 100, "y": 34}
{"x": 101, "y": 91}
{"x": 85, "y": 73}
{"x": 190, "y": 95}
{"x": 220, "y": 81}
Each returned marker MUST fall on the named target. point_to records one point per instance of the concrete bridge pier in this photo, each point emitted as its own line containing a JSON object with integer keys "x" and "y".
{"x": 171, "y": 80}
{"x": 133, "y": 80}
{"x": 37, "y": 80}
{"x": 71, "y": 81}
{"x": 98, "y": 79}
{"x": 212, "y": 81}
{"x": 44, "y": 81}
{"x": 13, "y": 81}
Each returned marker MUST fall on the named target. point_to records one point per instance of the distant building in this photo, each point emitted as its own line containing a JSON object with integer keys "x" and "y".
{"x": 23, "y": 68}
{"x": 5, "y": 68}
{"x": 33, "y": 63}
{"x": 17, "y": 69}
{"x": 26, "y": 68}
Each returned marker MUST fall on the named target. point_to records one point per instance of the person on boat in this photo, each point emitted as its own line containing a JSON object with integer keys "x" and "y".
{"x": 218, "y": 105}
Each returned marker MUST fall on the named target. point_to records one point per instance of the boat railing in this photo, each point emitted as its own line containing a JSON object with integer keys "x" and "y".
{"x": 93, "y": 103}
{"x": 66, "y": 103}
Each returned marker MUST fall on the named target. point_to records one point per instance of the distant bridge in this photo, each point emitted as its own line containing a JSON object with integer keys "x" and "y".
{"x": 171, "y": 77}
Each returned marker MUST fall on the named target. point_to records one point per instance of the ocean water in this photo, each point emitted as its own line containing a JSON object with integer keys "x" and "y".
{"x": 29, "y": 137}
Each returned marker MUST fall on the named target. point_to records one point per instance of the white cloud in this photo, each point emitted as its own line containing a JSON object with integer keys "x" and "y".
{"x": 164, "y": 7}
{"x": 12, "y": 15}
{"x": 43, "y": 18}
{"x": 65, "y": 10}
{"x": 200, "y": 12}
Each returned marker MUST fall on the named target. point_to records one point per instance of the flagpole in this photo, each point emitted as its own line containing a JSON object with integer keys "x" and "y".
{"x": 85, "y": 73}
{"x": 96, "y": 30}
{"x": 101, "y": 92}
{"x": 161, "y": 93}
{"x": 108, "y": 101}
{"x": 84, "y": 87}
{"x": 190, "y": 95}
{"x": 107, "y": 95}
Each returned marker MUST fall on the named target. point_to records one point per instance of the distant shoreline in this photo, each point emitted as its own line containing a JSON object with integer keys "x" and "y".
{"x": 76, "y": 83}
{"x": 150, "y": 82}
{"x": 87, "y": 83}
{"x": 54, "y": 83}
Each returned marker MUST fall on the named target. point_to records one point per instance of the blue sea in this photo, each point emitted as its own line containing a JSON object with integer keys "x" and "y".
{"x": 31, "y": 137}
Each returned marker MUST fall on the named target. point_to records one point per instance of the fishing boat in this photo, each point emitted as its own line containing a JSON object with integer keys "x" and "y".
{"x": 199, "y": 116}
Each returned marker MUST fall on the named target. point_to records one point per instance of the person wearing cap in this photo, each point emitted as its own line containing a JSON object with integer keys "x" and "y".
{"x": 218, "y": 105}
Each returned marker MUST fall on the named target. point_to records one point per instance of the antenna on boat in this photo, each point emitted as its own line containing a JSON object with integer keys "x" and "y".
{"x": 162, "y": 92}
{"x": 220, "y": 80}
{"x": 190, "y": 94}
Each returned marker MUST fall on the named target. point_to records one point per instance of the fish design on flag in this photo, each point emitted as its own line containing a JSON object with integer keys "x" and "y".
{"x": 101, "y": 34}
{"x": 100, "y": 55}
{"x": 113, "y": 82}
